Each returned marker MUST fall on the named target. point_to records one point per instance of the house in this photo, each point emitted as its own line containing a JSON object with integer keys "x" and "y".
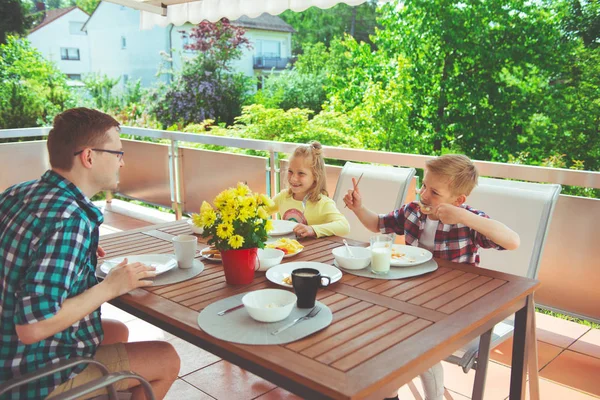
{"x": 119, "y": 48}
{"x": 60, "y": 39}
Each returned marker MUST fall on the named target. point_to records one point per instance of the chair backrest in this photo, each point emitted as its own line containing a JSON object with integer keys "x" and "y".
{"x": 383, "y": 188}
{"x": 524, "y": 207}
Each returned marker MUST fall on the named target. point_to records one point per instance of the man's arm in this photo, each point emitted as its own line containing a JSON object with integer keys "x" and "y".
{"x": 496, "y": 231}
{"x": 120, "y": 280}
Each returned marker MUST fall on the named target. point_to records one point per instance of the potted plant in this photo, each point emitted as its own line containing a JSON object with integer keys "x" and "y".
{"x": 237, "y": 226}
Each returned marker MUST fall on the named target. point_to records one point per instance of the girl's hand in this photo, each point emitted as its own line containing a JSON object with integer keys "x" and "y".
{"x": 353, "y": 198}
{"x": 304, "y": 231}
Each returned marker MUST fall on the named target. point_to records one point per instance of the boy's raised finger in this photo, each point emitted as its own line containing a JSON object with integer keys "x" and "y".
{"x": 354, "y": 183}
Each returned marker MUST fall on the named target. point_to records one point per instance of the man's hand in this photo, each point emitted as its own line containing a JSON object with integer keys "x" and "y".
{"x": 450, "y": 214}
{"x": 100, "y": 252}
{"x": 353, "y": 198}
{"x": 304, "y": 231}
{"x": 125, "y": 277}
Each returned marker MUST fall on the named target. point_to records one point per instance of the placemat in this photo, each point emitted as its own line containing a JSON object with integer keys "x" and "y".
{"x": 238, "y": 327}
{"x": 395, "y": 272}
{"x": 175, "y": 275}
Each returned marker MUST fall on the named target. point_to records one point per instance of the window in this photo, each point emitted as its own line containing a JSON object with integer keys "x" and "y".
{"x": 123, "y": 42}
{"x": 69, "y": 53}
{"x": 74, "y": 77}
{"x": 268, "y": 48}
{"x": 75, "y": 28}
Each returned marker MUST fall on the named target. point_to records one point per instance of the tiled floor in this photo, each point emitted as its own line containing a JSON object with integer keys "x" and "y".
{"x": 569, "y": 360}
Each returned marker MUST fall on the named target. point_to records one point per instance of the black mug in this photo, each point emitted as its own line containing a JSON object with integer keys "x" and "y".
{"x": 306, "y": 282}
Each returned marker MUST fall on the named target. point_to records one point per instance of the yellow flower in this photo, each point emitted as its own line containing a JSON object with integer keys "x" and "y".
{"x": 224, "y": 198}
{"x": 249, "y": 202}
{"x": 225, "y": 231}
{"x": 208, "y": 218}
{"x": 266, "y": 200}
{"x": 242, "y": 190}
{"x": 269, "y": 225}
{"x": 228, "y": 215}
{"x": 205, "y": 206}
{"x": 236, "y": 241}
{"x": 245, "y": 214}
{"x": 197, "y": 220}
{"x": 262, "y": 213}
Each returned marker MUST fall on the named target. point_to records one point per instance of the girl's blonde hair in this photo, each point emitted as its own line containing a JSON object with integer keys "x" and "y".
{"x": 460, "y": 171}
{"x": 313, "y": 155}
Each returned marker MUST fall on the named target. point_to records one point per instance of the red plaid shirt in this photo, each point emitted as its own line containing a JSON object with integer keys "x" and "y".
{"x": 457, "y": 243}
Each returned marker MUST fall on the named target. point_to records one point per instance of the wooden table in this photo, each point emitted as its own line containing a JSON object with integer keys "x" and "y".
{"x": 383, "y": 334}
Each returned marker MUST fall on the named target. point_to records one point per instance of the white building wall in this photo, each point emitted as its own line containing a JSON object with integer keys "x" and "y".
{"x": 139, "y": 58}
{"x": 58, "y": 34}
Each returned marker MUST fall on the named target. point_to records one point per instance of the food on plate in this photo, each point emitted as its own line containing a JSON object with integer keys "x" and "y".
{"x": 288, "y": 246}
{"x": 211, "y": 252}
{"x": 397, "y": 254}
{"x": 287, "y": 279}
{"x": 425, "y": 209}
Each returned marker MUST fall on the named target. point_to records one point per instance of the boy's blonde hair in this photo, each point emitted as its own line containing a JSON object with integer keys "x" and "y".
{"x": 313, "y": 155}
{"x": 459, "y": 169}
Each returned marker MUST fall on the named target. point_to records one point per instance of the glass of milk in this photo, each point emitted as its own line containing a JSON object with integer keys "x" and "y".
{"x": 381, "y": 253}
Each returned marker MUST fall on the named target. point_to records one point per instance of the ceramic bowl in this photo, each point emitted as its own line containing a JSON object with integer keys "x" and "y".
{"x": 268, "y": 258}
{"x": 269, "y": 305}
{"x": 362, "y": 257}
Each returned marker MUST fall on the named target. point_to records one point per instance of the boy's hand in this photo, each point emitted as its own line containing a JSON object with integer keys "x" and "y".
{"x": 100, "y": 252}
{"x": 353, "y": 198}
{"x": 125, "y": 277}
{"x": 449, "y": 214}
{"x": 304, "y": 231}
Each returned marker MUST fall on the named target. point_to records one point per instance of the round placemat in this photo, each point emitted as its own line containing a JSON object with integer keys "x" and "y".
{"x": 238, "y": 327}
{"x": 175, "y": 275}
{"x": 395, "y": 272}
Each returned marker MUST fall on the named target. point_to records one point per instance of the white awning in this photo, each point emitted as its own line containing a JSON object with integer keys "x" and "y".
{"x": 178, "y": 12}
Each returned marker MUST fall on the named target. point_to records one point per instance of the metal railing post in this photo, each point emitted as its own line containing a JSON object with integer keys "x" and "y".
{"x": 175, "y": 179}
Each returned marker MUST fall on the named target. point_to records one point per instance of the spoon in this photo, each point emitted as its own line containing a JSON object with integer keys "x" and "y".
{"x": 348, "y": 249}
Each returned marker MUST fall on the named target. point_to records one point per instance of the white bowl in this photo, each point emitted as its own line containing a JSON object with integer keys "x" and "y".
{"x": 362, "y": 257}
{"x": 196, "y": 229}
{"x": 269, "y": 305}
{"x": 268, "y": 258}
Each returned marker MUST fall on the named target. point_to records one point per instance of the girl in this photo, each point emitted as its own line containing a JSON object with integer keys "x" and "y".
{"x": 306, "y": 200}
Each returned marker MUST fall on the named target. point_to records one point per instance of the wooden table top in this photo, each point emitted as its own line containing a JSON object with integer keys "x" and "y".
{"x": 383, "y": 334}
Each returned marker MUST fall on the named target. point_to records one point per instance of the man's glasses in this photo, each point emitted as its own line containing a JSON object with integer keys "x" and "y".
{"x": 118, "y": 153}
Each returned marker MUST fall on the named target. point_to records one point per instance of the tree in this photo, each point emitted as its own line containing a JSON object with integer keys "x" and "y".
{"x": 12, "y": 19}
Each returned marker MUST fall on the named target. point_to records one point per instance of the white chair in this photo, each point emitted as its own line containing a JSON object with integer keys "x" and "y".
{"x": 527, "y": 209}
{"x": 383, "y": 188}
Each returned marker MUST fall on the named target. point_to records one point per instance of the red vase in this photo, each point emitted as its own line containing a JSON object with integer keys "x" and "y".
{"x": 239, "y": 265}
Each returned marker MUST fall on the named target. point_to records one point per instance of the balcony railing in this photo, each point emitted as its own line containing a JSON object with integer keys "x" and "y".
{"x": 175, "y": 176}
{"x": 264, "y": 62}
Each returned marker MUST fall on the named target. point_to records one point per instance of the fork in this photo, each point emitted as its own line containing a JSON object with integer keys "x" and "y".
{"x": 311, "y": 314}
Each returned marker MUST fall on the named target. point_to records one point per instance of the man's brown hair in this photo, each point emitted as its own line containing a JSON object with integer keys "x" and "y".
{"x": 75, "y": 129}
{"x": 459, "y": 170}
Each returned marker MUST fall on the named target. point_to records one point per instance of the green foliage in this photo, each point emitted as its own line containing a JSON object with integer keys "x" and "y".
{"x": 292, "y": 89}
{"x": 100, "y": 87}
{"x": 12, "y": 19}
{"x": 32, "y": 89}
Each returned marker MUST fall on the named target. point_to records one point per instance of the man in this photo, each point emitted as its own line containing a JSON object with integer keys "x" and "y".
{"x": 49, "y": 296}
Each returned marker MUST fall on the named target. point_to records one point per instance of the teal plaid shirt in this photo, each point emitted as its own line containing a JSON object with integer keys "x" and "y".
{"x": 48, "y": 242}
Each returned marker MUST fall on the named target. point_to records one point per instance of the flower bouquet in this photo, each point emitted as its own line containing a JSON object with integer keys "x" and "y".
{"x": 237, "y": 226}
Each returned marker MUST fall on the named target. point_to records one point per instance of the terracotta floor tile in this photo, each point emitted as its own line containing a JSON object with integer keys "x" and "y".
{"x": 279, "y": 394}
{"x": 575, "y": 370}
{"x": 589, "y": 344}
{"x": 553, "y": 391}
{"x": 182, "y": 390}
{"x": 112, "y": 312}
{"x": 558, "y": 332}
{"x": 497, "y": 383}
{"x": 546, "y": 353}
{"x": 414, "y": 391}
{"x": 225, "y": 381}
{"x": 192, "y": 357}
{"x": 141, "y": 330}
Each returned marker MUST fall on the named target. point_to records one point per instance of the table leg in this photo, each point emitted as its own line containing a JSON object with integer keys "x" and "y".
{"x": 483, "y": 357}
{"x": 534, "y": 380}
{"x": 518, "y": 375}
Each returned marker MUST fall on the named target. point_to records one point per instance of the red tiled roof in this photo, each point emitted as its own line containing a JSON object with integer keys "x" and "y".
{"x": 51, "y": 15}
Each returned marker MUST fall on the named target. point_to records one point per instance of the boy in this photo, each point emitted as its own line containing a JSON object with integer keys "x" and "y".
{"x": 441, "y": 223}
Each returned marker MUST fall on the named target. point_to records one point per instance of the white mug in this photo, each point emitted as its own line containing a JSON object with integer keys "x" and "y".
{"x": 185, "y": 250}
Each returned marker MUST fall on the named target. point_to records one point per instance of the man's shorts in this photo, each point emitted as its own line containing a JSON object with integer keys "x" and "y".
{"x": 113, "y": 356}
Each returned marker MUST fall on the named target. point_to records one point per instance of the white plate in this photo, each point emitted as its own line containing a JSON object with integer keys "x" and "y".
{"x": 282, "y": 227}
{"x": 209, "y": 257}
{"x": 277, "y": 273}
{"x": 293, "y": 254}
{"x": 162, "y": 262}
{"x": 413, "y": 256}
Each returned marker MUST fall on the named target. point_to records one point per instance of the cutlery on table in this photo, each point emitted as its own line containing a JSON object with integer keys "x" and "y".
{"x": 221, "y": 313}
{"x": 348, "y": 249}
{"x": 356, "y": 186}
{"x": 311, "y": 314}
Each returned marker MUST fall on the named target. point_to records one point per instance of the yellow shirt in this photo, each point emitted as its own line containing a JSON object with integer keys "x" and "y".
{"x": 323, "y": 215}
